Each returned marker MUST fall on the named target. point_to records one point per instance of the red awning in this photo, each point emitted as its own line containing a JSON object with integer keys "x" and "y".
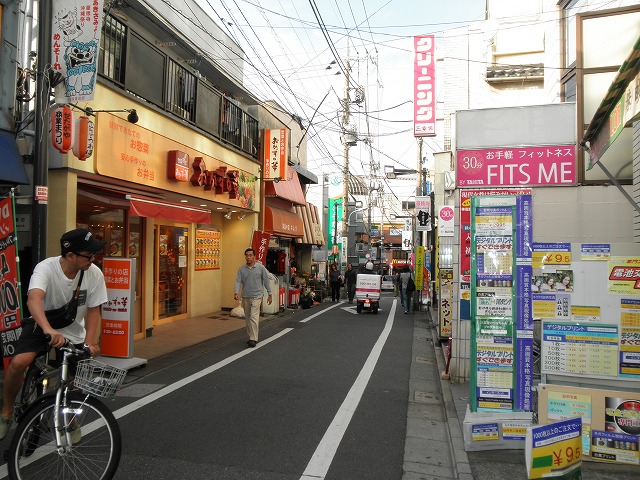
{"x": 152, "y": 208}
{"x": 289, "y": 189}
{"x": 282, "y": 223}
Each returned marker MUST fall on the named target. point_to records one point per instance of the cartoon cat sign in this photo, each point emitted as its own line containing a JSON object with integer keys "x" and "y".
{"x": 76, "y": 29}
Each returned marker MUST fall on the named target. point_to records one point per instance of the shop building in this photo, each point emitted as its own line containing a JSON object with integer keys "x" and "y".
{"x": 174, "y": 179}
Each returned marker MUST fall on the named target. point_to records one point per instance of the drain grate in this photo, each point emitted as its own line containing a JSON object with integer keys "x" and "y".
{"x": 216, "y": 317}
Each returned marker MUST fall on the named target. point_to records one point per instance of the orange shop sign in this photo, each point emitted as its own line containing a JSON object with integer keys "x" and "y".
{"x": 138, "y": 155}
{"x": 117, "y": 314}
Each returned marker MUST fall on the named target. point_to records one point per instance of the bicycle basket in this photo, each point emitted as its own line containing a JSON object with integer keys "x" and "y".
{"x": 97, "y": 378}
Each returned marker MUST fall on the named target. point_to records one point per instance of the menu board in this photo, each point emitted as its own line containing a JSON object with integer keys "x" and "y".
{"x": 208, "y": 249}
{"x": 580, "y": 349}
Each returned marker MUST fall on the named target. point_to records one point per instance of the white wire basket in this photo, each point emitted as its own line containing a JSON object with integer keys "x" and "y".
{"x": 97, "y": 378}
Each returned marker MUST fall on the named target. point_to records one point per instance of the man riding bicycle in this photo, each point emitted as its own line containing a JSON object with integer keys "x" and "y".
{"x": 64, "y": 298}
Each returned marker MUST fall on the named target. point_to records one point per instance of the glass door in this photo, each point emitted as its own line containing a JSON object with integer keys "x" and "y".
{"x": 171, "y": 272}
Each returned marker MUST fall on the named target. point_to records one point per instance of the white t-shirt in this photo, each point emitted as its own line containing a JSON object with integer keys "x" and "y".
{"x": 49, "y": 277}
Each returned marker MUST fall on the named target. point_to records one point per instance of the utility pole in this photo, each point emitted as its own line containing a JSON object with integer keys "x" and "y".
{"x": 346, "y": 143}
{"x": 419, "y": 187}
{"x": 41, "y": 150}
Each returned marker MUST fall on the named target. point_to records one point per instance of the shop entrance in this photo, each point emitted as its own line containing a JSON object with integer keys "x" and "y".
{"x": 170, "y": 302}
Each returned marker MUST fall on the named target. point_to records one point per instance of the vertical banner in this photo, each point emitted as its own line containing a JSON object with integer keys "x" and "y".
{"x": 423, "y": 214}
{"x": 424, "y": 84}
{"x": 419, "y": 273}
{"x": 260, "y": 245}
{"x": 117, "y": 314}
{"x": 501, "y": 311}
{"x": 75, "y": 42}
{"x": 10, "y": 313}
{"x": 275, "y": 148}
{"x": 445, "y": 221}
{"x": 524, "y": 308}
{"x": 335, "y": 192}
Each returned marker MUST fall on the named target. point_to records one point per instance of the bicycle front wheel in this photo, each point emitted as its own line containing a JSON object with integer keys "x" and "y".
{"x": 91, "y": 445}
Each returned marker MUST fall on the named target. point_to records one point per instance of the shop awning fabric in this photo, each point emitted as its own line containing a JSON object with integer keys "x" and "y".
{"x": 12, "y": 169}
{"x": 152, "y": 208}
{"x": 312, "y": 231}
{"x": 282, "y": 223}
{"x": 614, "y": 114}
{"x": 289, "y": 189}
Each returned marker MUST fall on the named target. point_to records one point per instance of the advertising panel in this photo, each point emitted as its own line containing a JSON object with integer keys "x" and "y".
{"x": 424, "y": 97}
{"x": 117, "y": 314}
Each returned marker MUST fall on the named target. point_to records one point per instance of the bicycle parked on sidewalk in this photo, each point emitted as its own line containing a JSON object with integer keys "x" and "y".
{"x": 67, "y": 433}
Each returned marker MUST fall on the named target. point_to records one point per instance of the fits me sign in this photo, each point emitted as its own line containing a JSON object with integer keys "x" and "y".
{"x": 517, "y": 166}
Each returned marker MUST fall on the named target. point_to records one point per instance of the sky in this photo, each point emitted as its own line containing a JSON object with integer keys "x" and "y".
{"x": 290, "y": 43}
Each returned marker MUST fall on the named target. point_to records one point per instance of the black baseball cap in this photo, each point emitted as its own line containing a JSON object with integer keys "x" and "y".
{"x": 80, "y": 240}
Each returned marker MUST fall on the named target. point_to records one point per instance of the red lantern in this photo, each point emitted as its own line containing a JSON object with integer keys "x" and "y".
{"x": 62, "y": 127}
{"x": 83, "y": 142}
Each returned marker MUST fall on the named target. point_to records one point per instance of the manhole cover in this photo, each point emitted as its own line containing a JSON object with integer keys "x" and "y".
{"x": 424, "y": 360}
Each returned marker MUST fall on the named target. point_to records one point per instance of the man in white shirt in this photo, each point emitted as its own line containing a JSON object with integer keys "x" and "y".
{"x": 70, "y": 279}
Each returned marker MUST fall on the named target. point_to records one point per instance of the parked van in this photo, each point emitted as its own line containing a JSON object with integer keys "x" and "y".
{"x": 387, "y": 283}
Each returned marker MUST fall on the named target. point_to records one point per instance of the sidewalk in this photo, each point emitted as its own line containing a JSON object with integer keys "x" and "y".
{"x": 434, "y": 447}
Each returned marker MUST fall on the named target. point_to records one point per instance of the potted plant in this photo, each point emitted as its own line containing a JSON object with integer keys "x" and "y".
{"x": 306, "y": 298}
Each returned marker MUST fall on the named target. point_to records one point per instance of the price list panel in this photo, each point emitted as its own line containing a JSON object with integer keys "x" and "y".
{"x": 580, "y": 349}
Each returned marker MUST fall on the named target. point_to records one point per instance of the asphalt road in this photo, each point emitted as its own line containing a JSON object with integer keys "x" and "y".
{"x": 324, "y": 396}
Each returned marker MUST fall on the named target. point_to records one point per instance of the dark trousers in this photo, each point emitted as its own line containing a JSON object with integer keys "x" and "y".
{"x": 351, "y": 291}
{"x": 335, "y": 291}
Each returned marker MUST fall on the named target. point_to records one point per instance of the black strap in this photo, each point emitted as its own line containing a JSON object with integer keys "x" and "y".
{"x": 77, "y": 294}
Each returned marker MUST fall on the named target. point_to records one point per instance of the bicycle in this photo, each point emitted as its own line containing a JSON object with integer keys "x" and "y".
{"x": 66, "y": 434}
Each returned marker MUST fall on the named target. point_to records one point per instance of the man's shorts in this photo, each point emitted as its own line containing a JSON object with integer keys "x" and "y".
{"x": 32, "y": 338}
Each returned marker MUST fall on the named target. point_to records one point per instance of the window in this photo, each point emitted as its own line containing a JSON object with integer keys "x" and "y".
{"x": 181, "y": 91}
{"x": 113, "y": 45}
{"x": 145, "y": 71}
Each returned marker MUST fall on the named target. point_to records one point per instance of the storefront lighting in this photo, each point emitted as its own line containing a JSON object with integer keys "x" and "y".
{"x": 228, "y": 216}
{"x": 131, "y": 118}
{"x": 241, "y": 217}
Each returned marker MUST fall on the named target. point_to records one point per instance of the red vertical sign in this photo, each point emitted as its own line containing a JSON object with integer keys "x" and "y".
{"x": 117, "y": 313}
{"x": 260, "y": 245}
{"x": 10, "y": 314}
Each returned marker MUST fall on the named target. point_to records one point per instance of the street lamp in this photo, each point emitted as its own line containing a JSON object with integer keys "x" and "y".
{"x": 392, "y": 172}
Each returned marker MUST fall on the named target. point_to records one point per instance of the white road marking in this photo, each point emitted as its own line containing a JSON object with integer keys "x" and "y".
{"x": 321, "y": 460}
{"x": 325, "y": 452}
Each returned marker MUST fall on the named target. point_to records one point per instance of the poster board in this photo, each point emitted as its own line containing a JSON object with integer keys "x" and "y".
{"x": 610, "y": 419}
{"x": 590, "y": 333}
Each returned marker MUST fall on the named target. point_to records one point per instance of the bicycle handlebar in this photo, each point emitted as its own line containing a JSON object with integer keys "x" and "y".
{"x": 71, "y": 348}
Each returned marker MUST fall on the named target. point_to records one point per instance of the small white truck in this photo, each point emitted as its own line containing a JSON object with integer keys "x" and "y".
{"x": 368, "y": 292}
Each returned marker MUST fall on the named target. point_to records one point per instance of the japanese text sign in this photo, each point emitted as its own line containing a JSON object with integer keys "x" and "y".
{"x": 75, "y": 44}
{"x": 275, "y": 154}
{"x": 10, "y": 314}
{"x": 117, "y": 314}
{"x": 424, "y": 96}
{"x": 549, "y": 165}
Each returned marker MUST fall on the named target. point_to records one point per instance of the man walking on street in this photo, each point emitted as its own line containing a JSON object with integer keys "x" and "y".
{"x": 252, "y": 277}
{"x": 350, "y": 280}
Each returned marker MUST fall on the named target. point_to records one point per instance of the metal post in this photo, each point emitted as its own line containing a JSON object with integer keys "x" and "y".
{"x": 345, "y": 172}
{"x": 41, "y": 152}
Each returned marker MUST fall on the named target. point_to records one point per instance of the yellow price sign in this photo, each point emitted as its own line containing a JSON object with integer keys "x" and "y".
{"x": 539, "y": 259}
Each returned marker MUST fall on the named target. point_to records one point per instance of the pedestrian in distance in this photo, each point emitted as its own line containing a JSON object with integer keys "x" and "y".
{"x": 350, "y": 277}
{"x": 64, "y": 298}
{"x": 251, "y": 278}
{"x": 335, "y": 281}
{"x": 405, "y": 291}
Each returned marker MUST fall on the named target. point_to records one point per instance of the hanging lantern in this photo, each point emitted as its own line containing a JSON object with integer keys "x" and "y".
{"x": 62, "y": 128}
{"x": 83, "y": 141}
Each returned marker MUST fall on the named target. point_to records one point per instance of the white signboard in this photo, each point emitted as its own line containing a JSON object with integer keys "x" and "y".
{"x": 446, "y": 221}
{"x": 423, "y": 214}
{"x": 407, "y": 240}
